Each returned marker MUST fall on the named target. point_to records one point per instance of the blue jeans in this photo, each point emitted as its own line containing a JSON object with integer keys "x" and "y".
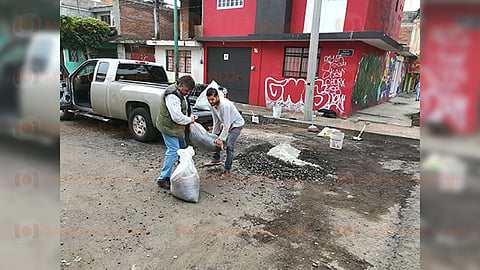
{"x": 231, "y": 139}
{"x": 172, "y": 144}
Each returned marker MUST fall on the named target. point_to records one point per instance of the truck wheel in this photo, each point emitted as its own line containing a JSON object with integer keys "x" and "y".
{"x": 66, "y": 115}
{"x": 140, "y": 125}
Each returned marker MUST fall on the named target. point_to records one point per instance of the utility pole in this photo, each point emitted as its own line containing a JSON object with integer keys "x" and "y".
{"x": 156, "y": 12}
{"x": 175, "y": 29}
{"x": 312, "y": 62}
{"x": 78, "y": 10}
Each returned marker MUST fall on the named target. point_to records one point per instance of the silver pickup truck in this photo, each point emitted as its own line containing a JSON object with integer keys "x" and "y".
{"x": 119, "y": 89}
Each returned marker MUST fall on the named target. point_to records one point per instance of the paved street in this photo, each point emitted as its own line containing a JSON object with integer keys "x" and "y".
{"x": 354, "y": 208}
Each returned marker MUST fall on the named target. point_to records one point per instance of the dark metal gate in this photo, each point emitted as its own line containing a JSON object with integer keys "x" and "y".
{"x": 230, "y": 67}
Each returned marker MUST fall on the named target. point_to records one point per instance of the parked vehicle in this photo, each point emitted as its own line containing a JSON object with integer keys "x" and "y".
{"x": 29, "y": 76}
{"x": 120, "y": 89}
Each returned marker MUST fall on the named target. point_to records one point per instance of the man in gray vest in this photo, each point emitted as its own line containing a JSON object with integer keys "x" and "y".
{"x": 227, "y": 124}
{"x": 172, "y": 120}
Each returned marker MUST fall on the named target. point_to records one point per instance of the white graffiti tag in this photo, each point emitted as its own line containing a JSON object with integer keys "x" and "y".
{"x": 332, "y": 84}
{"x": 289, "y": 93}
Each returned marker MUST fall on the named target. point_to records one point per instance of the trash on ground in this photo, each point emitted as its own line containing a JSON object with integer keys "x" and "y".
{"x": 326, "y": 131}
{"x": 336, "y": 140}
{"x": 255, "y": 119}
{"x": 185, "y": 181}
{"x": 276, "y": 111}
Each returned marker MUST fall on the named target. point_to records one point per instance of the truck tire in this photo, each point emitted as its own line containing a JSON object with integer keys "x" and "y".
{"x": 140, "y": 125}
{"x": 66, "y": 115}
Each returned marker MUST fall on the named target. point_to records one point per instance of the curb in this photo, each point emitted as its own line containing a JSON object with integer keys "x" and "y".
{"x": 304, "y": 124}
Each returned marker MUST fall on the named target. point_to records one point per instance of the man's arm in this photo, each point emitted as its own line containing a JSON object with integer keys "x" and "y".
{"x": 174, "y": 107}
{"x": 216, "y": 122}
{"x": 227, "y": 122}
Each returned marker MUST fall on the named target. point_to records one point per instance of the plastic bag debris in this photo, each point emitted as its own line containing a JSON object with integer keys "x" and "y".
{"x": 325, "y": 133}
{"x": 185, "y": 181}
{"x": 202, "y": 101}
{"x": 199, "y": 137}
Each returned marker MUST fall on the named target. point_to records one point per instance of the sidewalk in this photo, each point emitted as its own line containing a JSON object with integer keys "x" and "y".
{"x": 389, "y": 118}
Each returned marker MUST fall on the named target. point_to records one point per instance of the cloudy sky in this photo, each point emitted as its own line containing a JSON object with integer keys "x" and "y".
{"x": 410, "y": 5}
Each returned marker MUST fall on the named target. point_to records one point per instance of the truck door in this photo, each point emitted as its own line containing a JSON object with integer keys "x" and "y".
{"x": 99, "y": 89}
{"x": 81, "y": 82}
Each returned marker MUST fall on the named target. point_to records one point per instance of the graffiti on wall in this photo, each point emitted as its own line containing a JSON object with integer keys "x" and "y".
{"x": 332, "y": 84}
{"x": 376, "y": 79}
{"x": 368, "y": 83}
{"x": 445, "y": 96}
{"x": 328, "y": 93}
{"x": 387, "y": 79}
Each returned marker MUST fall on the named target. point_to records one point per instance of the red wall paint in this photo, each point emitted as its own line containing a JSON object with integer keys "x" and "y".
{"x": 355, "y": 15}
{"x": 381, "y": 16}
{"x": 298, "y": 16}
{"x": 449, "y": 71}
{"x": 255, "y": 61}
{"x": 228, "y": 22}
{"x": 334, "y": 87}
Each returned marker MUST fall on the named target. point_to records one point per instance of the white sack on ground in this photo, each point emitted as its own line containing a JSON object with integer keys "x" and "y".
{"x": 185, "y": 181}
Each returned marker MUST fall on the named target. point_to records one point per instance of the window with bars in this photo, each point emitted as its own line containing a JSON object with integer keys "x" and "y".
{"x": 184, "y": 61}
{"x": 73, "y": 56}
{"x": 224, "y": 4}
{"x": 295, "y": 62}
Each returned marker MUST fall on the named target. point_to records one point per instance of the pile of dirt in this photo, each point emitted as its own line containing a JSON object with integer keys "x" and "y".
{"x": 255, "y": 160}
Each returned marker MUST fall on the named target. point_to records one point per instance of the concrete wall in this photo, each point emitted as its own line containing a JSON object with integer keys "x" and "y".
{"x": 80, "y": 8}
{"x": 197, "y": 59}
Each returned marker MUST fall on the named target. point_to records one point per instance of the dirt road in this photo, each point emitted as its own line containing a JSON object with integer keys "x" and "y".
{"x": 355, "y": 208}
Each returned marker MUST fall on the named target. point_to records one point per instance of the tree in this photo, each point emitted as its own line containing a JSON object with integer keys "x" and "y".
{"x": 82, "y": 34}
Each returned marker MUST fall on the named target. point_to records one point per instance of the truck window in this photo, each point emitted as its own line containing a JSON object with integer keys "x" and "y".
{"x": 141, "y": 73}
{"x": 101, "y": 72}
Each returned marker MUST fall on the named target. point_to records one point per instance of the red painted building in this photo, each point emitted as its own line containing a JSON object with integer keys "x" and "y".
{"x": 259, "y": 51}
{"x": 450, "y": 83}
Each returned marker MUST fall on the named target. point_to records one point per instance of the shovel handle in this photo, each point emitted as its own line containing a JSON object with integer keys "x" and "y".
{"x": 361, "y": 131}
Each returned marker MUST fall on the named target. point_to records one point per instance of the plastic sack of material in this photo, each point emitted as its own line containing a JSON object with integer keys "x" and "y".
{"x": 185, "y": 181}
{"x": 202, "y": 101}
{"x": 199, "y": 137}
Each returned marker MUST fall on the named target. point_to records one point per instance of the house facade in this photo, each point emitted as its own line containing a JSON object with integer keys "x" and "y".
{"x": 410, "y": 36}
{"x": 99, "y": 9}
{"x": 263, "y": 59}
{"x": 190, "y": 58}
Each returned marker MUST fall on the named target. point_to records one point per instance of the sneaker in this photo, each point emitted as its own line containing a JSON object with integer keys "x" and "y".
{"x": 225, "y": 175}
{"x": 165, "y": 184}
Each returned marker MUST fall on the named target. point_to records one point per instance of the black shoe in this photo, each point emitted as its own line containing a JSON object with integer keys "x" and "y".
{"x": 165, "y": 184}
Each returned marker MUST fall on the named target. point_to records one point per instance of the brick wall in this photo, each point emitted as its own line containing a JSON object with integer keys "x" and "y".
{"x": 137, "y": 21}
{"x": 405, "y": 34}
{"x": 166, "y": 24}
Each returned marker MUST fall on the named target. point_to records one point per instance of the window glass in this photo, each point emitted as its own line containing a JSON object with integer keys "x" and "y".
{"x": 224, "y": 4}
{"x": 102, "y": 72}
{"x": 184, "y": 61}
{"x": 295, "y": 62}
{"x": 141, "y": 73}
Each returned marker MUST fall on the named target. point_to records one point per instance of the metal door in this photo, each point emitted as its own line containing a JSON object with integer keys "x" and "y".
{"x": 230, "y": 67}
